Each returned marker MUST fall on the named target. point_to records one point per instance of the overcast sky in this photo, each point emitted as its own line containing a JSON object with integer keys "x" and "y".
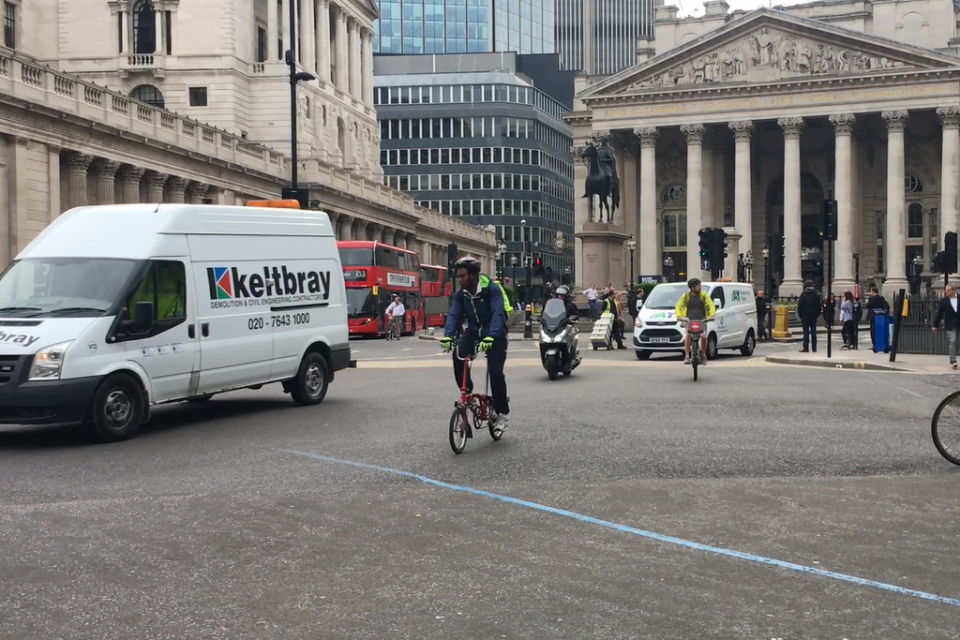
{"x": 695, "y": 7}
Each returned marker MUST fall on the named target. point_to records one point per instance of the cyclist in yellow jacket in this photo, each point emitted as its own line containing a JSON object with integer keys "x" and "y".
{"x": 695, "y": 305}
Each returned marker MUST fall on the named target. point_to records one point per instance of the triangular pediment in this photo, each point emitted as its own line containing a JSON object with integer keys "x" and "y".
{"x": 770, "y": 46}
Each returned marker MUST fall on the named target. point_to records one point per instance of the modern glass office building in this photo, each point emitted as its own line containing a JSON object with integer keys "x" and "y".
{"x": 413, "y": 27}
{"x": 487, "y": 147}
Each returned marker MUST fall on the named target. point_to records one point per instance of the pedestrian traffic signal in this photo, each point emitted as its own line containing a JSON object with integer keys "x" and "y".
{"x": 828, "y": 212}
{"x": 706, "y": 240}
{"x": 451, "y": 256}
{"x": 950, "y": 251}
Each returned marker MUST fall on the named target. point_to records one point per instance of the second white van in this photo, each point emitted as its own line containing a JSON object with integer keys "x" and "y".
{"x": 656, "y": 329}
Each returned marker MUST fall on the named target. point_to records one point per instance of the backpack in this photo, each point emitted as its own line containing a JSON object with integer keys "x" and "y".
{"x": 507, "y": 306}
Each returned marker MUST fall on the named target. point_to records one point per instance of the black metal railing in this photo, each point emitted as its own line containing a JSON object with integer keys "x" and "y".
{"x": 915, "y": 334}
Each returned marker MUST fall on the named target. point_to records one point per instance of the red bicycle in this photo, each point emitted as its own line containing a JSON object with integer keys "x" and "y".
{"x": 473, "y": 410}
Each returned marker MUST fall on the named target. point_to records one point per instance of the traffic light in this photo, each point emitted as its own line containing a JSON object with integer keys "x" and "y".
{"x": 300, "y": 195}
{"x": 706, "y": 241}
{"x": 719, "y": 246}
{"x": 828, "y": 212}
{"x": 538, "y": 266}
{"x": 451, "y": 257}
{"x": 950, "y": 252}
{"x": 548, "y": 273}
{"x": 939, "y": 262}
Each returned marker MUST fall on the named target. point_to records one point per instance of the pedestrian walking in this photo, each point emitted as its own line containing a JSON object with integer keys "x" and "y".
{"x": 761, "y": 316}
{"x": 809, "y": 309}
{"x": 947, "y": 313}
{"x": 876, "y": 305}
{"x": 848, "y": 330}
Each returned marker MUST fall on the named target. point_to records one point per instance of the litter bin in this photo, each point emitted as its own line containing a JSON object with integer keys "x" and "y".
{"x": 882, "y": 332}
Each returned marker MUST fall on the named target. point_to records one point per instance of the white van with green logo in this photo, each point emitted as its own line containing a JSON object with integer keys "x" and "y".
{"x": 114, "y": 309}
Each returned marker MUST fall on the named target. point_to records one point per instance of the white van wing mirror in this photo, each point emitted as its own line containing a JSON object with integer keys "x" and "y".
{"x": 717, "y": 303}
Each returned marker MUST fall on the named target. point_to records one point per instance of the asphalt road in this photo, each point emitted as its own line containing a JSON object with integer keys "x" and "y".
{"x": 624, "y": 502}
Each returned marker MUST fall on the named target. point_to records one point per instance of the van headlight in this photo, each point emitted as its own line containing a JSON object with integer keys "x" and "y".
{"x": 638, "y": 323}
{"x": 48, "y": 362}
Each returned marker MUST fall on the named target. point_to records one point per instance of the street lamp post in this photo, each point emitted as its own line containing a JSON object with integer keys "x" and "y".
{"x": 527, "y": 262}
{"x": 513, "y": 272}
{"x": 632, "y": 245}
{"x": 668, "y": 267}
{"x": 766, "y": 270}
{"x": 917, "y": 268}
{"x": 295, "y": 78}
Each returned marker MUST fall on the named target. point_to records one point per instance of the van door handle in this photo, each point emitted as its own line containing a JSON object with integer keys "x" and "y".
{"x": 192, "y": 331}
{"x": 205, "y": 329}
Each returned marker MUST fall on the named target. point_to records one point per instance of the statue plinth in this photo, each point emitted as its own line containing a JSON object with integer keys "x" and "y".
{"x": 601, "y": 256}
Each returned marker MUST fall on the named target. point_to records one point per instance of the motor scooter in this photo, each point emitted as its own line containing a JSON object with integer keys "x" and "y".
{"x": 558, "y": 340}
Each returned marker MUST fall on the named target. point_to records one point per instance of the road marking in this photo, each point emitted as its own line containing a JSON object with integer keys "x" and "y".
{"x": 393, "y": 363}
{"x": 680, "y": 542}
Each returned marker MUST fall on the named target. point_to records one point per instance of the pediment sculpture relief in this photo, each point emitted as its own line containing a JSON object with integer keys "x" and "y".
{"x": 768, "y": 55}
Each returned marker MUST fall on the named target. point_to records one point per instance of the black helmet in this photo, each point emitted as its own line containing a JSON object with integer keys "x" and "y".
{"x": 692, "y": 282}
{"x": 563, "y": 291}
{"x": 472, "y": 265}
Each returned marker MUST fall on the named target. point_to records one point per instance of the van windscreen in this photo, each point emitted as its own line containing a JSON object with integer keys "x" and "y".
{"x": 77, "y": 286}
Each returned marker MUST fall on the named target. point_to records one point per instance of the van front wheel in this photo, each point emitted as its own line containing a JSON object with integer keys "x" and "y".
{"x": 310, "y": 385}
{"x": 117, "y": 409}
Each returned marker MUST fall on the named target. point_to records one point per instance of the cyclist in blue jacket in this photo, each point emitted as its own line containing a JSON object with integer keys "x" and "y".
{"x": 479, "y": 301}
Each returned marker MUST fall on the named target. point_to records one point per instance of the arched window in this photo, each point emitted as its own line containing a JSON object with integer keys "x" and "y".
{"x": 915, "y": 221}
{"x": 144, "y": 27}
{"x": 674, "y": 195}
{"x": 149, "y": 94}
{"x": 912, "y": 183}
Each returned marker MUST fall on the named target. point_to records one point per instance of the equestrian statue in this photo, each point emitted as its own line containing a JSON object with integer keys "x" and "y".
{"x": 602, "y": 180}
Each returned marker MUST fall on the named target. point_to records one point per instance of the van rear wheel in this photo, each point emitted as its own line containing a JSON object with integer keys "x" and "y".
{"x": 116, "y": 411}
{"x": 313, "y": 378}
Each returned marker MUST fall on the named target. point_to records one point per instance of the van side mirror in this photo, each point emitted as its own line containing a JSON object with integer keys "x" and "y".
{"x": 717, "y": 303}
{"x": 143, "y": 316}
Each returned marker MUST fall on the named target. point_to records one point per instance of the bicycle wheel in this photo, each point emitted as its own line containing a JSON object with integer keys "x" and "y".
{"x": 458, "y": 430}
{"x": 946, "y": 422}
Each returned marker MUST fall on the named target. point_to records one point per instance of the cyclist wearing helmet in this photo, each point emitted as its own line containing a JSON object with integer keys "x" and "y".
{"x": 695, "y": 305}
{"x": 479, "y": 301}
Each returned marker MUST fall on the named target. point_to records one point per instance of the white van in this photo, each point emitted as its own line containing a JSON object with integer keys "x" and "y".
{"x": 113, "y": 309}
{"x": 656, "y": 328}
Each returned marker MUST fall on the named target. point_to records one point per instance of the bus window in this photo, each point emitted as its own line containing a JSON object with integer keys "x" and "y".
{"x": 356, "y": 257}
{"x": 387, "y": 258}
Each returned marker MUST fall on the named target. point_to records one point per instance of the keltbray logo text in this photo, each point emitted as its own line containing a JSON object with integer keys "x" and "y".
{"x": 233, "y": 287}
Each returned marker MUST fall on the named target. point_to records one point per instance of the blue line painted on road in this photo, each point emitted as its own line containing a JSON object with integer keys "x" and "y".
{"x": 680, "y": 542}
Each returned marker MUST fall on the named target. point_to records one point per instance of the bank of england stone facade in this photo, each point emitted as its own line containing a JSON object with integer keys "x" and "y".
{"x": 92, "y": 111}
{"x": 747, "y": 120}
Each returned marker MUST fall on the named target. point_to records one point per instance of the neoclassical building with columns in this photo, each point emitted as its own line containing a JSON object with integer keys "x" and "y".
{"x": 747, "y": 120}
{"x": 101, "y": 135}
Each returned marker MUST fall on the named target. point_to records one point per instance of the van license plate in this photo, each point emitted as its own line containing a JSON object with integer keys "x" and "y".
{"x": 659, "y": 339}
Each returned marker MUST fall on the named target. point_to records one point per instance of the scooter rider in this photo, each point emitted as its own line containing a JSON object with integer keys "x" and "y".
{"x": 563, "y": 293}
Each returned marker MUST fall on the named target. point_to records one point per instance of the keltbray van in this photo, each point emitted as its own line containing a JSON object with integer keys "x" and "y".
{"x": 114, "y": 309}
{"x": 656, "y": 329}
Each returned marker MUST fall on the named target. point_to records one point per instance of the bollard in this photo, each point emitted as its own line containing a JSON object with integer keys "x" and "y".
{"x": 781, "y": 328}
{"x": 528, "y": 323}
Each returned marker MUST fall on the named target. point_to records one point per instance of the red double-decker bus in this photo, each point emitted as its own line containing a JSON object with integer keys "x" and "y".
{"x": 372, "y": 273}
{"x": 434, "y": 283}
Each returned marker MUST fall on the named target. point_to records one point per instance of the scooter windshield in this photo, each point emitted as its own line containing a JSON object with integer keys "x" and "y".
{"x": 554, "y": 315}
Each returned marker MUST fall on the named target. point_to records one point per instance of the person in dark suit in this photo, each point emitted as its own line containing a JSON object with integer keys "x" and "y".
{"x": 947, "y": 312}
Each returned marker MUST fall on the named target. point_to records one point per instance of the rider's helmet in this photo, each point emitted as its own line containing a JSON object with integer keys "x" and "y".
{"x": 693, "y": 282}
{"x": 472, "y": 265}
{"x": 563, "y": 292}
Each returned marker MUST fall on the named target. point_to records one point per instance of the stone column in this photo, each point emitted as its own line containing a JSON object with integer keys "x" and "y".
{"x": 399, "y": 239}
{"x": 694, "y": 134}
{"x": 323, "y": 40}
{"x": 792, "y": 272}
{"x": 178, "y": 186}
{"x": 105, "y": 170}
{"x": 895, "y": 239}
{"x": 77, "y": 165}
{"x": 742, "y": 191}
{"x": 272, "y": 35}
{"x": 306, "y": 54}
{"x": 353, "y": 55}
{"x": 843, "y": 247}
{"x": 53, "y": 169}
{"x": 196, "y": 192}
{"x": 155, "y": 182}
{"x": 359, "y": 229}
{"x": 367, "y": 67}
{"x": 374, "y": 232}
{"x": 949, "y": 171}
{"x": 285, "y": 25}
{"x": 648, "y": 242}
{"x": 159, "y": 14}
{"x": 387, "y": 236}
{"x": 129, "y": 176}
{"x": 343, "y": 63}
{"x": 345, "y": 232}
